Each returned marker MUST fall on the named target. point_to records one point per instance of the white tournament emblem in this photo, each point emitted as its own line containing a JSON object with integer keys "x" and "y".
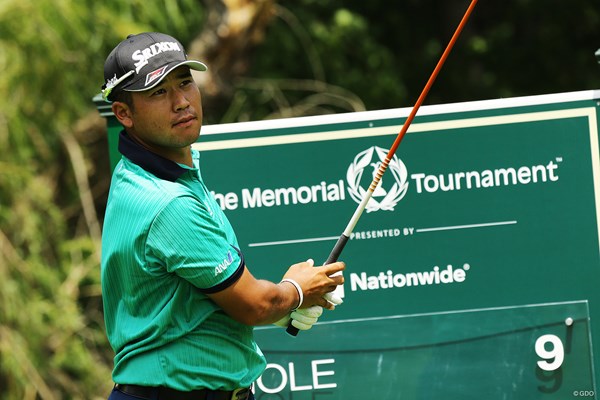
{"x": 384, "y": 197}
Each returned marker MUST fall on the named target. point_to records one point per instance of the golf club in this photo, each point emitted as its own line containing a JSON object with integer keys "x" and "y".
{"x": 345, "y": 236}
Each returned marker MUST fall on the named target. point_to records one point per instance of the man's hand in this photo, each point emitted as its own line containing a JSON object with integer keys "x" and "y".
{"x": 303, "y": 318}
{"x": 316, "y": 282}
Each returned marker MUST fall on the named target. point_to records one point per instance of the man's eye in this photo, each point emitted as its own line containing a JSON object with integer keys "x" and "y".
{"x": 158, "y": 91}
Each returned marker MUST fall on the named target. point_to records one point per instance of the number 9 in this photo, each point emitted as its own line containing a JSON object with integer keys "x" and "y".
{"x": 557, "y": 352}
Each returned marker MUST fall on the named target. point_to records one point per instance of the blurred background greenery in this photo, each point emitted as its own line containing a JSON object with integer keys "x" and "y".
{"x": 267, "y": 59}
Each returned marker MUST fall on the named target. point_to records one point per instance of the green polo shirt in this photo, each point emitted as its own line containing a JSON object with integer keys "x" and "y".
{"x": 165, "y": 245}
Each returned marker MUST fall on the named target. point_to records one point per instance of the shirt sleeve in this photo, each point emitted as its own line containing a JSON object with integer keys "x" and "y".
{"x": 190, "y": 240}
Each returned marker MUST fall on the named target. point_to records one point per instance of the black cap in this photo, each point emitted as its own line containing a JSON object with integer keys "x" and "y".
{"x": 141, "y": 61}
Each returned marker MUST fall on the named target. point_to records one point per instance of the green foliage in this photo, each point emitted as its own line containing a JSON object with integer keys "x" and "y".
{"x": 52, "y": 343}
{"x": 384, "y": 52}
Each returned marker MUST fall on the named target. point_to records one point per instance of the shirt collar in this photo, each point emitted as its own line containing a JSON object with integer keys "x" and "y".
{"x": 151, "y": 162}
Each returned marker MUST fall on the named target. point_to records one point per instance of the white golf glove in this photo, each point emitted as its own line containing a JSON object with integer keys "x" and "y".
{"x": 303, "y": 318}
{"x": 333, "y": 298}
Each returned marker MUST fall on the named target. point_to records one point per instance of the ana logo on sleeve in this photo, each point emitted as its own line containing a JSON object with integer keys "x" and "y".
{"x": 224, "y": 264}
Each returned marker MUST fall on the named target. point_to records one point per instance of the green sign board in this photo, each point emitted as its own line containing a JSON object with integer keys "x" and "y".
{"x": 474, "y": 272}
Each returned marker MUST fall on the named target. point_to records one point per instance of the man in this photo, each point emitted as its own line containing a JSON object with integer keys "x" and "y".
{"x": 179, "y": 301}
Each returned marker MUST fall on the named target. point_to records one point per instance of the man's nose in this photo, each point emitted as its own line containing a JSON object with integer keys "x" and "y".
{"x": 180, "y": 101}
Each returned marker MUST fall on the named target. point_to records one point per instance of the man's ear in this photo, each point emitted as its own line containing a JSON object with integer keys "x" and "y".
{"x": 123, "y": 113}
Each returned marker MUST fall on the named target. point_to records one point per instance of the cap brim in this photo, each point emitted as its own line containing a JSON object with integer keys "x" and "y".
{"x": 140, "y": 85}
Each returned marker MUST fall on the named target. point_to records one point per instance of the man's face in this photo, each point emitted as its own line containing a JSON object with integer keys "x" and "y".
{"x": 168, "y": 117}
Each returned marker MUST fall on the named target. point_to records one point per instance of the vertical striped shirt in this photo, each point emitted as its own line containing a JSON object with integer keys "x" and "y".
{"x": 165, "y": 244}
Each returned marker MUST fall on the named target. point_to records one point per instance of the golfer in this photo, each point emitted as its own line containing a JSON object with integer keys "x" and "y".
{"x": 179, "y": 301}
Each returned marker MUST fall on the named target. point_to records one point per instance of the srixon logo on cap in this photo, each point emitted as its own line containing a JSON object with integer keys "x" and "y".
{"x": 142, "y": 56}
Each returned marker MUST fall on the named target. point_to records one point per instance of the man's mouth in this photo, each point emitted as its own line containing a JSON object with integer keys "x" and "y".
{"x": 184, "y": 121}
